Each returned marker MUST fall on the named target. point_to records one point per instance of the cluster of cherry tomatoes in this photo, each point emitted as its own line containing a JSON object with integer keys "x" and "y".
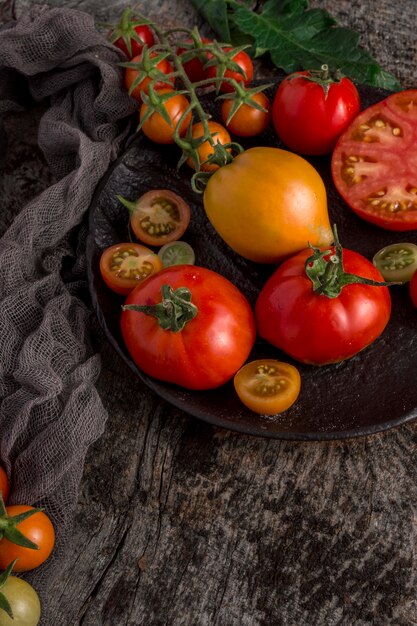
{"x": 27, "y": 540}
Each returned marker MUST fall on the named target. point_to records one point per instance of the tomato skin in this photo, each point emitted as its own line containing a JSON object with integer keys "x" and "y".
{"x": 247, "y": 121}
{"x": 245, "y": 63}
{"x": 121, "y": 285}
{"x": 209, "y": 350}
{"x": 39, "y": 529}
{"x": 373, "y": 163}
{"x": 146, "y": 36}
{"x": 194, "y": 67}
{"x": 156, "y": 127}
{"x": 306, "y": 119}
{"x": 268, "y": 204}
{"x": 131, "y": 74}
{"x": 413, "y": 289}
{"x": 205, "y": 149}
{"x": 316, "y": 329}
{"x": 24, "y": 602}
{"x": 4, "y": 485}
{"x": 149, "y": 210}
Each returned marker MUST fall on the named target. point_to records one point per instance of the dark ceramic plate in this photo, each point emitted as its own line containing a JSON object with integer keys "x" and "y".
{"x": 373, "y": 391}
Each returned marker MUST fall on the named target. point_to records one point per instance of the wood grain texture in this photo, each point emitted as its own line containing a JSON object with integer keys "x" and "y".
{"x": 181, "y": 524}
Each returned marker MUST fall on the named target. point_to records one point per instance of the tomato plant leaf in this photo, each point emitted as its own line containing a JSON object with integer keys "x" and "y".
{"x": 215, "y": 13}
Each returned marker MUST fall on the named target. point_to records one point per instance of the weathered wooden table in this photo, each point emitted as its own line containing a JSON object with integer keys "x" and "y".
{"x": 181, "y": 524}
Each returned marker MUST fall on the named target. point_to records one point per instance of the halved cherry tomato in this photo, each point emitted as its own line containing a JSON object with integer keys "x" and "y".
{"x": 4, "y": 484}
{"x": 397, "y": 262}
{"x": 194, "y": 68}
{"x": 37, "y": 528}
{"x": 244, "y": 62}
{"x": 413, "y": 289}
{"x": 205, "y": 149}
{"x": 248, "y": 121}
{"x": 373, "y": 164}
{"x": 132, "y": 74}
{"x": 157, "y": 128}
{"x": 267, "y": 386}
{"x": 176, "y": 253}
{"x": 125, "y": 265}
{"x": 158, "y": 217}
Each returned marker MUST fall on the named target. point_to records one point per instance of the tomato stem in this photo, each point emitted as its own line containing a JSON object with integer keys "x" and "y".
{"x": 173, "y": 312}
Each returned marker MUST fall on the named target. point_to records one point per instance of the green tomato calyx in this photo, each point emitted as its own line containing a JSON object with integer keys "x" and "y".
{"x": 9, "y": 523}
{"x": 326, "y": 272}
{"x": 173, "y": 312}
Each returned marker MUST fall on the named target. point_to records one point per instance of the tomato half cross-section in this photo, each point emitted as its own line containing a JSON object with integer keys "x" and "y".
{"x": 125, "y": 265}
{"x": 374, "y": 163}
{"x": 188, "y": 325}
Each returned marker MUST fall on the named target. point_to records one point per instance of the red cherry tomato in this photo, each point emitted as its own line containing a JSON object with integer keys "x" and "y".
{"x": 4, "y": 485}
{"x": 309, "y": 113}
{"x": 39, "y": 529}
{"x": 317, "y": 329}
{"x": 130, "y": 34}
{"x": 248, "y": 121}
{"x": 413, "y": 289}
{"x": 212, "y": 345}
{"x": 157, "y": 128}
{"x": 194, "y": 68}
{"x": 125, "y": 265}
{"x": 132, "y": 74}
{"x": 374, "y": 163}
{"x": 245, "y": 63}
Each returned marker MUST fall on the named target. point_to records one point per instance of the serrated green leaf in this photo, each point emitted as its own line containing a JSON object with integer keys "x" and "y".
{"x": 215, "y": 13}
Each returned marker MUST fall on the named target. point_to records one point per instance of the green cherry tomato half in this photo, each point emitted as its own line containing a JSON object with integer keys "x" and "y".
{"x": 176, "y": 253}
{"x": 397, "y": 262}
{"x": 24, "y": 603}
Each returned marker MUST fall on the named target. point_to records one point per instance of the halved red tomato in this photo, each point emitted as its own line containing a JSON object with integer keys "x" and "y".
{"x": 125, "y": 265}
{"x": 158, "y": 217}
{"x": 374, "y": 164}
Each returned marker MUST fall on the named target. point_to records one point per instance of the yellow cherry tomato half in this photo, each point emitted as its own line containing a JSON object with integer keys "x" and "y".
{"x": 267, "y": 386}
{"x": 125, "y": 265}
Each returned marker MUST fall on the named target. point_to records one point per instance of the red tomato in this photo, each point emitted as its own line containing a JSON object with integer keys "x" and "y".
{"x": 248, "y": 121}
{"x": 374, "y": 163}
{"x": 37, "y": 528}
{"x": 132, "y": 74}
{"x": 315, "y": 328}
{"x": 194, "y": 68}
{"x": 4, "y": 485}
{"x": 205, "y": 149}
{"x": 310, "y": 113}
{"x": 125, "y": 265}
{"x": 157, "y": 128}
{"x": 130, "y": 34}
{"x": 214, "y": 342}
{"x": 413, "y": 289}
{"x": 245, "y": 63}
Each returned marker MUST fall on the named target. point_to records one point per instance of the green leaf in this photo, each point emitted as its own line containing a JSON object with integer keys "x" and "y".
{"x": 5, "y": 605}
{"x": 215, "y": 13}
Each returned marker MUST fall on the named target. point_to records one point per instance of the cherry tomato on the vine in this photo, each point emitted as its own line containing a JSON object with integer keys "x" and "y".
{"x": 23, "y": 601}
{"x": 244, "y": 61}
{"x": 133, "y": 73}
{"x": 267, "y": 386}
{"x": 156, "y": 128}
{"x": 125, "y": 265}
{"x": 37, "y": 528}
{"x": 248, "y": 121}
{"x": 4, "y": 484}
{"x": 311, "y": 110}
{"x": 194, "y": 68}
{"x": 413, "y": 289}
{"x": 374, "y": 163}
{"x": 130, "y": 34}
{"x": 205, "y": 149}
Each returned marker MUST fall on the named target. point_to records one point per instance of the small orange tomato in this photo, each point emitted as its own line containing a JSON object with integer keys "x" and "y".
{"x": 157, "y": 128}
{"x": 125, "y": 265}
{"x": 37, "y": 528}
{"x": 267, "y": 386}
{"x": 4, "y": 484}
{"x": 247, "y": 121}
{"x": 132, "y": 74}
{"x": 220, "y": 135}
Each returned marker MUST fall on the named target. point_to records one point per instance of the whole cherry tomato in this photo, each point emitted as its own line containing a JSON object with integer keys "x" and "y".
{"x": 318, "y": 317}
{"x": 311, "y": 109}
{"x": 373, "y": 164}
{"x": 268, "y": 204}
{"x": 156, "y": 128}
{"x": 413, "y": 289}
{"x": 248, "y": 121}
{"x": 23, "y": 601}
{"x": 4, "y": 485}
{"x": 194, "y": 68}
{"x": 37, "y": 528}
{"x": 195, "y": 328}
{"x": 205, "y": 149}
{"x": 130, "y": 34}
{"x": 132, "y": 74}
{"x": 243, "y": 60}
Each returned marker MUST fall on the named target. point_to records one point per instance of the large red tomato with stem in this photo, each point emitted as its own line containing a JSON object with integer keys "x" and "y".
{"x": 311, "y": 109}
{"x": 374, "y": 163}
{"x": 324, "y": 306}
{"x": 188, "y": 325}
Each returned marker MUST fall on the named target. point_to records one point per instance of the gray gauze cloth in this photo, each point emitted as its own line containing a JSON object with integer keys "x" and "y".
{"x": 50, "y": 410}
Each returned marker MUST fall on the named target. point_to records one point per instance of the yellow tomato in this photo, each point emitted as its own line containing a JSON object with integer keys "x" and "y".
{"x": 268, "y": 204}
